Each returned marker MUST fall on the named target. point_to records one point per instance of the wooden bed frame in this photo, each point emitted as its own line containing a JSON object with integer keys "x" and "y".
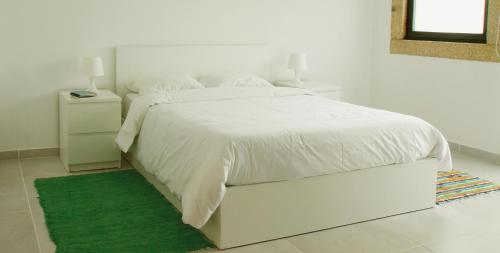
{"x": 261, "y": 212}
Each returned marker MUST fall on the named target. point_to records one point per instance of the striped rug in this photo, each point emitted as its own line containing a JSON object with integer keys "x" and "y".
{"x": 455, "y": 185}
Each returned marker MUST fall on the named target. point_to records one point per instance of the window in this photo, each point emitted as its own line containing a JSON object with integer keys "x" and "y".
{"x": 454, "y": 29}
{"x": 447, "y": 20}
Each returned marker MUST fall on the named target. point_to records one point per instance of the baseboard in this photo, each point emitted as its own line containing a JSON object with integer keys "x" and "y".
{"x": 28, "y": 153}
{"x": 461, "y": 149}
{"x": 7, "y": 155}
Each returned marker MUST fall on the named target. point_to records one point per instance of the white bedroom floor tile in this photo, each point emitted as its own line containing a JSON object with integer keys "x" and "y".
{"x": 467, "y": 244}
{"x": 34, "y": 203}
{"x": 354, "y": 238}
{"x": 481, "y": 206}
{"x": 419, "y": 249}
{"x": 456, "y": 227}
{"x": 475, "y": 166}
{"x": 9, "y": 169}
{"x": 432, "y": 225}
{"x": 11, "y": 185}
{"x": 43, "y": 167}
{"x": 46, "y": 244}
{"x": 30, "y": 187}
{"x": 10, "y": 203}
{"x": 11, "y": 181}
{"x": 278, "y": 246}
{"x": 17, "y": 233}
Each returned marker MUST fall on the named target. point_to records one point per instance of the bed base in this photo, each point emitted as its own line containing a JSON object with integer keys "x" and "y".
{"x": 261, "y": 212}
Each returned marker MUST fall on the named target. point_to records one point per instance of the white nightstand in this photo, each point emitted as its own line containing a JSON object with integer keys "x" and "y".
{"x": 88, "y": 128}
{"x": 322, "y": 89}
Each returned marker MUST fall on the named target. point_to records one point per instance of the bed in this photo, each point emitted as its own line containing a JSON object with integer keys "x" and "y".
{"x": 336, "y": 164}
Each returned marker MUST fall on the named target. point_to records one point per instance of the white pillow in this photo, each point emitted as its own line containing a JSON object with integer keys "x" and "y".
{"x": 154, "y": 85}
{"x": 135, "y": 86}
{"x": 240, "y": 80}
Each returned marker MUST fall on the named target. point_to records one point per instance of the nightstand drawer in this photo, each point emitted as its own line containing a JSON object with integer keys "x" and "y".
{"x": 92, "y": 148}
{"x": 93, "y": 117}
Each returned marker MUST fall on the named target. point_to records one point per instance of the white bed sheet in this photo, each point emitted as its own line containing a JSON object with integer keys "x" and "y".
{"x": 129, "y": 98}
{"x": 198, "y": 141}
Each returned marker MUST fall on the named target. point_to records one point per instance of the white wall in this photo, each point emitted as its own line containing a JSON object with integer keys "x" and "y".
{"x": 461, "y": 98}
{"x": 43, "y": 42}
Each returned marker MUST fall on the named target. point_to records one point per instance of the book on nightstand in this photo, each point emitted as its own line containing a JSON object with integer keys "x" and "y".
{"x": 83, "y": 94}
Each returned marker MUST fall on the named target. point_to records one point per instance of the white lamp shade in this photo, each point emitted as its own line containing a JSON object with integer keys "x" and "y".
{"x": 297, "y": 62}
{"x": 92, "y": 66}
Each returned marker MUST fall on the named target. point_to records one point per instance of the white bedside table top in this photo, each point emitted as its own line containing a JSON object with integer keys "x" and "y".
{"x": 310, "y": 85}
{"x": 102, "y": 96}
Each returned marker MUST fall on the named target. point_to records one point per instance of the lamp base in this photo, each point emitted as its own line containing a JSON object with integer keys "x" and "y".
{"x": 92, "y": 87}
{"x": 297, "y": 79}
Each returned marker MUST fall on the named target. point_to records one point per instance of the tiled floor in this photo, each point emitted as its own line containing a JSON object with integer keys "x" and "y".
{"x": 472, "y": 225}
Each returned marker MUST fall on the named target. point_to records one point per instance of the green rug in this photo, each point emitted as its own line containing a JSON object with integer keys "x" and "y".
{"x": 113, "y": 212}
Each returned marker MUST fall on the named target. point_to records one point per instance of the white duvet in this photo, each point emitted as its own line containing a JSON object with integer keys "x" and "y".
{"x": 198, "y": 141}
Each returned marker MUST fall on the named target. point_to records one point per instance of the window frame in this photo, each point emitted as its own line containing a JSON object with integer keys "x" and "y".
{"x": 446, "y": 37}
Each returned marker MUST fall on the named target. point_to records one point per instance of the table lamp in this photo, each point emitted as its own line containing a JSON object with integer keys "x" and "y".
{"x": 93, "y": 68}
{"x": 298, "y": 63}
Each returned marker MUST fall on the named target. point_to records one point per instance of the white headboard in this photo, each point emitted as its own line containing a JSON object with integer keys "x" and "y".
{"x": 134, "y": 62}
